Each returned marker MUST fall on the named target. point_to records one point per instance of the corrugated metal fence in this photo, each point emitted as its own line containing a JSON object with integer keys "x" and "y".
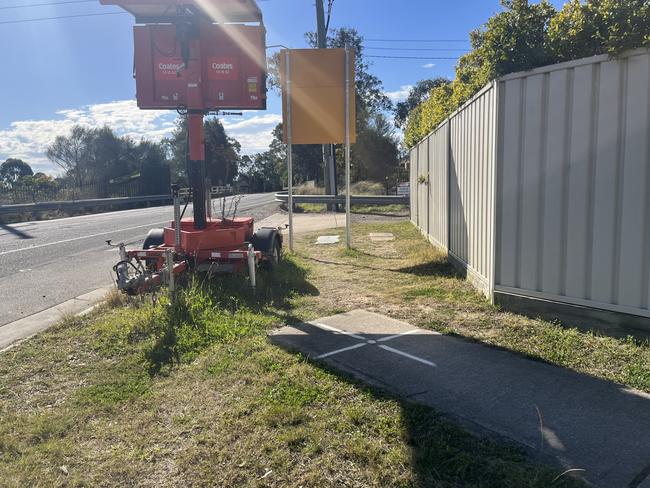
{"x": 540, "y": 185}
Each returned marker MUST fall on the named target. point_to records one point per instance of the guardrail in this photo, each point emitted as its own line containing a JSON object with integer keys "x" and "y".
{"x": 354, "y": 199}
{"x": 79, "y": 204}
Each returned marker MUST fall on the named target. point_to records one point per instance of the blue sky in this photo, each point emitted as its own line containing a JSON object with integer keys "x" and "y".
{"x": 61, "y": 72}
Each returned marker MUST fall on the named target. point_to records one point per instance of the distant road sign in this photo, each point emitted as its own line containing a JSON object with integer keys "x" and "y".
{"x": 404, "y": 189}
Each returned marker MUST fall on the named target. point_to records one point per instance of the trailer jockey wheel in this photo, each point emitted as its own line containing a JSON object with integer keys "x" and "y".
{"x": 269, "y": 243}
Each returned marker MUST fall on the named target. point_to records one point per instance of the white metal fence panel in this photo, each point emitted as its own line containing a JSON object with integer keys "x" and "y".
{"x": 413, "y": 181}
{"x": 423, "y": 197}
{"x": 574, "y": 183}
{"x": 471, "y": 186}
{"x": 438, "y": 185}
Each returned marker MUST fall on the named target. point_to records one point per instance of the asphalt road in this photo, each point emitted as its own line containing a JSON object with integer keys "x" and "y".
{"x": 46, "y": 263}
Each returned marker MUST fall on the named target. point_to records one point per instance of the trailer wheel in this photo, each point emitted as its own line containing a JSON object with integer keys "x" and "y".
{"x": 269, "y": 244}
{"x": 273, "y": 259}
{"x": 155, "y": 238}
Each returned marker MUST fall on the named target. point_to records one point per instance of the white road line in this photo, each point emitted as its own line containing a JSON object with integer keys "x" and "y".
{"x": 356, "y": 346}
{"x": 390, "y": 338}
{"x": 82, "y": 237}
{"x": 410, "y": 356}
{"x": 334, "y": 329}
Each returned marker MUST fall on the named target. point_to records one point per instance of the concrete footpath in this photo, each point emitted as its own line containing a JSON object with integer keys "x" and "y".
{"x": 598, "y": 428}
{"x": 303, "y": 223}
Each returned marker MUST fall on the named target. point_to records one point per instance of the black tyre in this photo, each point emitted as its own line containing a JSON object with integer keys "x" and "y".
{"x": 154, "y": 238}
{"x": 269, "y": 243}
{"x": 274, "y": 257}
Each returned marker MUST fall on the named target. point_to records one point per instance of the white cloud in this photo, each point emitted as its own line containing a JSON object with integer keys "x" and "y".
{"x": 256, "y": 121}
{"x": 28, "y": 139}
{"x": 254, "y": 133}
{"x": 399, "y": 95}
{"x": 429, "y": 65}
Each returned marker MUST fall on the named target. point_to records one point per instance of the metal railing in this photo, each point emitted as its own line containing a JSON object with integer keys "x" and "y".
{"x": 217, "y": 191}
{"x": 354, "y": 199}
{"x": 80, "y": 204}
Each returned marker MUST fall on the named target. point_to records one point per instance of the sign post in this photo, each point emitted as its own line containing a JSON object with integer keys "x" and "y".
{"x": 347, "y": 148}
{"x": 287, "y": 130}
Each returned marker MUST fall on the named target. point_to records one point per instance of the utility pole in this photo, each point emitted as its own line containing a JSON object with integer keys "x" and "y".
{"x": 328, "y": 149}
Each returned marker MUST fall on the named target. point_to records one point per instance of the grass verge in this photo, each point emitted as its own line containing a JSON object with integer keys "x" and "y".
{"x": 148, "y": 394}
{"x": 411, "y": 280}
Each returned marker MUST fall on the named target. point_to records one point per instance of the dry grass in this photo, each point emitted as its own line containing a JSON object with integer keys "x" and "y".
{"x": 308, "y": 188}
{"x": 114, "y": 299}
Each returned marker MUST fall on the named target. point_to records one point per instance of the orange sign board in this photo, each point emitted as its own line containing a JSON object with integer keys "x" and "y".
{"x": 317, "y": 95}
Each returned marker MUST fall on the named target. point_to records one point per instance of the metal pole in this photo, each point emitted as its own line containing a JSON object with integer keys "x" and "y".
{"x": 208, "y": 199}
{"x": 251, "y": 266}
{"x": 177, "y": 216}
{"x": 289, "y": 147}
{"x": 347, "y": 147}
{"x": 329, "y": 165}
{"x": 197, "y": 167}
{"x": 169, "y": 261}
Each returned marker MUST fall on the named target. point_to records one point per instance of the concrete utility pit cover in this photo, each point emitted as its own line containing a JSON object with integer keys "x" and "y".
{"x": 327, "y": 240}
{"x": 381, "y": 237}
{"x": 490, "y": 389}
{"x": 364, "y": 342}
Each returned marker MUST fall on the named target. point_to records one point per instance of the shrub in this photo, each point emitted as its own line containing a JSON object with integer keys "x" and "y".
{"x": 525, "y": 36}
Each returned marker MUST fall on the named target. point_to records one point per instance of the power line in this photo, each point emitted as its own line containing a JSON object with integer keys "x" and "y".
{"x": 413, "y": 49}
{"x": 416, "y": 40}
{"x": 404, "y": 57}
{"x": 59, "y": 18}
{"x": 47, "y": 4}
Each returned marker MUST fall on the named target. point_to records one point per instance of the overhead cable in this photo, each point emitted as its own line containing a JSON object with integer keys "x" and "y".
{"x": 413, "y": 48}
{"x": 47, "y": 4}
{"x": 406, "y": 57}
{"x": 23, "y": 21}
{"x": 416, "y": 40}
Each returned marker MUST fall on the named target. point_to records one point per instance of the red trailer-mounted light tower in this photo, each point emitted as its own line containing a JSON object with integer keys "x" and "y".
{"x": 197, "y": 57}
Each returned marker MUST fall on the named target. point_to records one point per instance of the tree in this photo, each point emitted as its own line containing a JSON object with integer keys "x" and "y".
{"x": 40, "y": 186}
{"x": 71, "y": 154}
{"x": 155, "y": 175}
{"x": 221, "y": 152}
{"x": 99, "y": 157}
{"x": 528, "y": 35}
{"x": 260, "y": 172}
{"x": 375, "y": 155}
{"x": 597, "y": 27}
{"x": 417, "y": 94}
{"x": 307, "y": 159}
{"x": 12, "y": 170}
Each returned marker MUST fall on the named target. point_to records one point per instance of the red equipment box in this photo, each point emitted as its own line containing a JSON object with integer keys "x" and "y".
{"x": 229, "y": 61}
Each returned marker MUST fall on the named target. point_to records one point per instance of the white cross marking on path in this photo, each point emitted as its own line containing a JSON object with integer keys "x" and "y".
{"x": 371, "y": 342}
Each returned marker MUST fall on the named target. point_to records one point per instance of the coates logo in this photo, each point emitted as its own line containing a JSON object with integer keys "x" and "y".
{"x": 168, "y": 69}
{"x": 222, "y": 68}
